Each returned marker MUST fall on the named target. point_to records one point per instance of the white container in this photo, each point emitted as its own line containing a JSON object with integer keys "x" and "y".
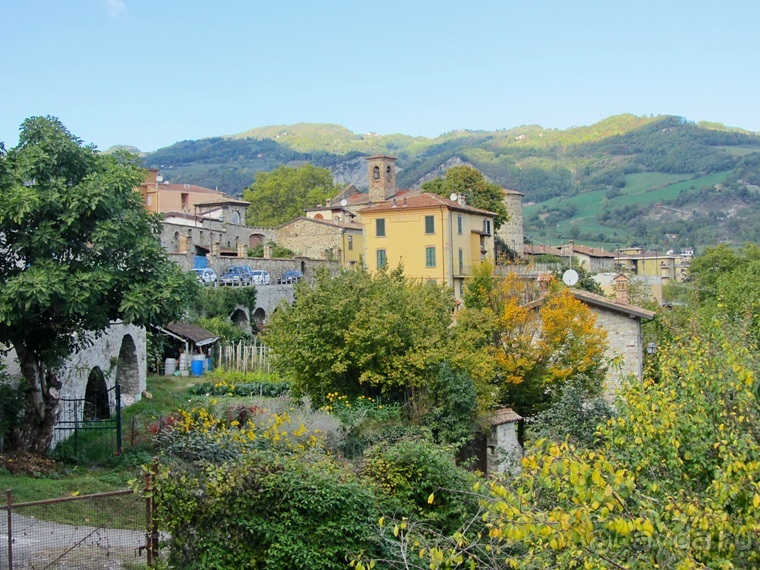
{"x": 183, "y": 363}
{"x": 170, "y": 366}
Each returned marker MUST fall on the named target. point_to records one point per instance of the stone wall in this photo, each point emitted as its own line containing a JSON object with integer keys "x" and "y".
{"x": 512, "y": 230}
{"x": 181, "y": 237}
{"x": 624, "y": 345}
{"x": 312, "y": 239}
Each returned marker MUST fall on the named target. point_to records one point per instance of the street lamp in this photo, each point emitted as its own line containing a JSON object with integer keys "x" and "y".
{"x": 651, "y": 348}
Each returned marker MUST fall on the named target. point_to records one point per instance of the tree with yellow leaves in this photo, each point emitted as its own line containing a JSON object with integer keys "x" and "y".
{"x": 524, "y": 344}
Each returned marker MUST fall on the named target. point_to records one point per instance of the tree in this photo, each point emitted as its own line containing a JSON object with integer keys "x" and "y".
{"x": 362, "y": 334}
{"x": 281, "y": 195}
{"x": 523, "y": 344}
{"x": 79, "y": 251}
{"x": 672, "y": 483}
{"x": 479, "y": 192}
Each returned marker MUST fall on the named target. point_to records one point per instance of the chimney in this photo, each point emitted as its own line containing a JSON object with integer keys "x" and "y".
{"x": 462, "y": 199}
{"x": 621, "y": 290}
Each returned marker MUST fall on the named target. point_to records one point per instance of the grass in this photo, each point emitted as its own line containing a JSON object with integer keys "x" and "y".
{"x": 640, "y": 189}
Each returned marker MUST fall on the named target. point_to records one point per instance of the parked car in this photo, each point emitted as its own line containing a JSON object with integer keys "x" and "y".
{"x": 206, "y": 276}
{"x": 261, "y": 277}
{"x": 237, "y": 275}
{"x": 292, "y": 276}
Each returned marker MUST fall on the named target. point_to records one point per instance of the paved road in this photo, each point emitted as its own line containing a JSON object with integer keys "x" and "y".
{"x": 41, "y": 544}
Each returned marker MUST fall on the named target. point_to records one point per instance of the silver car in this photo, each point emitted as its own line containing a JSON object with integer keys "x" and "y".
{"x": 206, "y": 276}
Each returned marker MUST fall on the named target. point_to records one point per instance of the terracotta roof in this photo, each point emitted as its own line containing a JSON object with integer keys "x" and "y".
{"x": 592, "y": 251}
{"x": 381, "y": 156}
{"x": 198, "y": 335}
{"x": 183, "y": 215}
{"x": 611, "y": 304}
{"x": 504, "y": 416}
{"x": 333, "y": 223}
{"x": 184, "y": 188}
{"x": 424, "y": 201}
{"x": 509, "y": 192}
{"x": 224, "y": 201}
{"x": 529, "y": 249}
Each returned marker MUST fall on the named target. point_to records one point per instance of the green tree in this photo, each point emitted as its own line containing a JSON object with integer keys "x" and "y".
{"x": 479, "y": 192}
{"x": 282, "y": 194}
{"x": 79, "y": 251}
{"x": 362, "y": 334}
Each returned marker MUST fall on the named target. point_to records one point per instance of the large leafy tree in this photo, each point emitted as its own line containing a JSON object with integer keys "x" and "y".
{"x": 526, "y": 345}
{"x": 673, "y": 482}
{"x": 282, "y": 194}
{"x": 362, "y": 334}
{"x": 480, "y": 193}
{"x": 78, "y": 251}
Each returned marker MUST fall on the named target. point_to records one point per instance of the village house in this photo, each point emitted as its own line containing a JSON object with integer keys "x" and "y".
{"x": 160, "y": 197}
{"x": 593, "y": 259}
{"x": 639, "y": 261}
{"x": 320, "y": 238}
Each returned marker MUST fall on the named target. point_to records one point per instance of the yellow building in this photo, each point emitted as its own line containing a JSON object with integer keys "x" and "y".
{"x": 642, "y": 262}
{"x": 435, "y": 238}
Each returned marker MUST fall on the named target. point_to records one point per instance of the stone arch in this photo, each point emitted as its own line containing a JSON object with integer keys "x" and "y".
{"x": 175, "y": 243}
{"x": 96, "y": 405}
{"x": 240, "y": 319}
{"x": 235, "y": 217}
{"x": 259, "y": 317}
{"x": 255, "y": 240}
{"x": 318, "y": 216}
{"x": 128, "y": 369}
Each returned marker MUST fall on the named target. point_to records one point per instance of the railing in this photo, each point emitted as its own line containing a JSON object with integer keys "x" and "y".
{"x": 242, "y": 356}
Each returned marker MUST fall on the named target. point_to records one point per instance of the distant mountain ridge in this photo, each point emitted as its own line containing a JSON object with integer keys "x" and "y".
{"x": 555, "y": 169}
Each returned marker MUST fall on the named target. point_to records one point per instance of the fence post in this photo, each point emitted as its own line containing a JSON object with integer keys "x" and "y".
{"x": 10, "y": 529}
{"x": 118, "y": 419}
{"x": 151, "y": 525}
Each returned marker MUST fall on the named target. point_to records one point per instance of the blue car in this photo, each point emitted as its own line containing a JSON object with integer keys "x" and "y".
{"x": 292, "y": 276}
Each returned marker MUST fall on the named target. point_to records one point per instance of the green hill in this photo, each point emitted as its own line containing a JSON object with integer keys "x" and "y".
{"x": 656, "y": 180}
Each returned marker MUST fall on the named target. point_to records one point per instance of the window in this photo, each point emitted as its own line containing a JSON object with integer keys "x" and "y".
{"x": 382, "y": 260}
{"x": 487, "y": 227}
{"x": 429, "y": 257}
{"x": 380, "y": 227}
{"x": 149, "y": 200}
{"x": 184, "y": 200}
{"x": 459, "y": 225}
{"x": 429, "y": 224}
{"x": 350, "y": 243}
{"x": 461, "y": 261}
{"x": 376, "y": 173}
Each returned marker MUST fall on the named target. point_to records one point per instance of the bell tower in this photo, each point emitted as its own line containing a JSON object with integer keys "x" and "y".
{"x": 381, "y": 170}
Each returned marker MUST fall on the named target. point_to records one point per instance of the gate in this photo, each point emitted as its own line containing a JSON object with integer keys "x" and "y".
{"x": 200, "y": 262}
{"x": 98, "y": 411}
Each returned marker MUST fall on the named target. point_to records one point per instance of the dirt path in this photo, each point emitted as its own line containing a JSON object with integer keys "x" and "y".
{"x": 41, "y": 544}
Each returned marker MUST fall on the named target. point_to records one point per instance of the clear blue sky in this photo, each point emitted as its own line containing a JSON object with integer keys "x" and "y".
{"x": 151, "y": 72}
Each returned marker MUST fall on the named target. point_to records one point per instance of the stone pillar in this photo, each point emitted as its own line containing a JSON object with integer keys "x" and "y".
{"x": 242, "y": 251}
{"x": 621, "y": 290}
{"x": 267, "y": 251}
{"x": 215, "y": 248}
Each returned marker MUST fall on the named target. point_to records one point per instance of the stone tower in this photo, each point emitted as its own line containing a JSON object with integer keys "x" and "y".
{"x": 381, "y": 170}
{"x": 511, "y": 232}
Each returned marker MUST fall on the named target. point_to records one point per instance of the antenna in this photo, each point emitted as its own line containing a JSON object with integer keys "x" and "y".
{"x": 344, "y": 203}
{"x": 570, "y": 277}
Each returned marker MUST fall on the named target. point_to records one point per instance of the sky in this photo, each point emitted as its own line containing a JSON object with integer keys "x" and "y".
{"x": 149, "y": 73}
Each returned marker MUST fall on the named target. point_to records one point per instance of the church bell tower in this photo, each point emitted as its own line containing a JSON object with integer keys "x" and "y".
{"x": 381, "y": 169}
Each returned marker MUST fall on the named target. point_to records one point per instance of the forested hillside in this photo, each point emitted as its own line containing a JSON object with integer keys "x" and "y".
{"x": 655, "y": 180}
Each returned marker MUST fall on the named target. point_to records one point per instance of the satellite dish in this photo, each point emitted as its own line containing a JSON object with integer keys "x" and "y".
{"x": 344, "y": 202}
{"x": 570, "y": 277}
{"x": 454, "y": 197}
{"x": 159, "y": 178}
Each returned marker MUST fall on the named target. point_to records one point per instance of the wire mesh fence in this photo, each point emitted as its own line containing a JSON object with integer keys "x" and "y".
{"x": 106, "y": 530}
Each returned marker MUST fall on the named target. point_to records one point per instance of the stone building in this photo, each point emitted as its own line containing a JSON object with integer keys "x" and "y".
{"x": 503, "y": 449}
{"x": 511, "y": 232}
{"x": 323, "y": 239}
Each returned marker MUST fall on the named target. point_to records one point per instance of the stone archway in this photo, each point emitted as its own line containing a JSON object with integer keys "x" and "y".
{"x": 240, "y": 319}
{"x": 255, "y": 240}
{"x": 259, "y": 317}
{"x": 96, "y": 405}
{"x": 127, "y": 369}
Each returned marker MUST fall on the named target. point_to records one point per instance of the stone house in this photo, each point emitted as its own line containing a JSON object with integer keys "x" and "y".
{"x": 161, "y": 197}
{"x": 319, "y": 238}
{"x": 503, "y": 449}
{"x": 593, "y": 259}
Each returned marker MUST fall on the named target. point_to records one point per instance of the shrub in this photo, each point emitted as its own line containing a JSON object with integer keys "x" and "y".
{"x": 267, "y": 511}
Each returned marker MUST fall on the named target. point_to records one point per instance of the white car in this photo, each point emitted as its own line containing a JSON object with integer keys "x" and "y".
{"x": 261, "y": 277}
{"x": 206, "y": 276}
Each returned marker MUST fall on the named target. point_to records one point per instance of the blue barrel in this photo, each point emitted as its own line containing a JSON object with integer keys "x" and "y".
{"x": 196, "y": 367}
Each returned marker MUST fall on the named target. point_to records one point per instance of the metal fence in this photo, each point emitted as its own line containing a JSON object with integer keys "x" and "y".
{"x": 81, "y": 415}
{"x": 107, "y": 530}
{"x": 244, "y": 356}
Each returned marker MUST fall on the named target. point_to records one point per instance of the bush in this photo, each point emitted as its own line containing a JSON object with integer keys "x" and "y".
{"x": 268, "y": 511}
{"x": 11, "y": 408}
{"x": 261, "y": 389}
{"x": 409, "y": 471}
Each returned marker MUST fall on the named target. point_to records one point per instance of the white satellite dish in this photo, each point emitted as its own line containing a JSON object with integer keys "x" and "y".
{"x": 570, "y": 277}
{"x": 159, "y": 178}
{"x": 454, "y": 197}
{"x": 344, "y": 202}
